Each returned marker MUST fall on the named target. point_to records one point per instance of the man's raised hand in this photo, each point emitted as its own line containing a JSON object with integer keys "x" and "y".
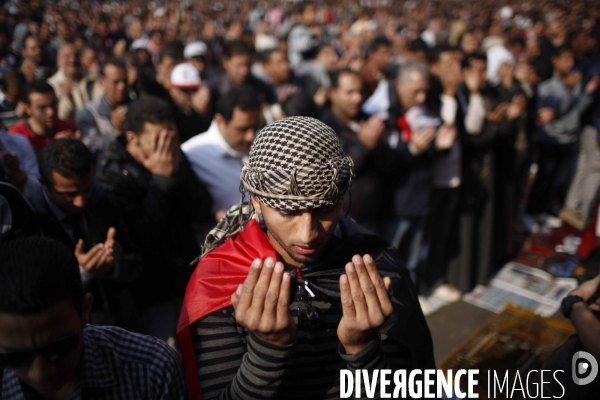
{"x": 112, "y": 247}
{"x": 94, "y": 261}
{"x": 366, "y": 303}
{"x": 102, "y": 257}
{"x": 261, "y": 303}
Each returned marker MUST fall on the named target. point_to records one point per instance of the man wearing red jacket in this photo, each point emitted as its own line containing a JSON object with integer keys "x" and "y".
{"x": 287, "y": 292}
{"x": 42, "y": 124}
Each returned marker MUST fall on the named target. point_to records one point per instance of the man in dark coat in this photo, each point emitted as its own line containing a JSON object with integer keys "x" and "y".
{"x": 362, "y": 140}
{"x": 74, "y": 211}
{"x": 164, "y": 205}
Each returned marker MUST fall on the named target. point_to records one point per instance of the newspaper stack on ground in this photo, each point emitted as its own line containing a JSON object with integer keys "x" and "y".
{"x": 523, "y": 286}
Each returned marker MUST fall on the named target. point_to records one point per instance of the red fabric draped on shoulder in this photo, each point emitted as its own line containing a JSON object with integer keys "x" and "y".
{"x": 215, "y": 278}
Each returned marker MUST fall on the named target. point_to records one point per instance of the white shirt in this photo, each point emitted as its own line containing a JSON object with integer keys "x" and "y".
{"x": 217, "y": 165}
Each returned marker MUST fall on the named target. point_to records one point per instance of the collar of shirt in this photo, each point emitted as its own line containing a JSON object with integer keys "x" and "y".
{"x": 214, "y": 136}
{"x": 56, "y": 211}
{"x": 104, "y": 107}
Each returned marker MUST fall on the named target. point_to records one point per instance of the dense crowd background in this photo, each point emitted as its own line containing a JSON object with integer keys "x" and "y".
{"x": 467, "y": 122}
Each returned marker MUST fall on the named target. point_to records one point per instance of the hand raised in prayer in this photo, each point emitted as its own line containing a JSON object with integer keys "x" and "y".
{"x": 117, "y": 118}
{"x": 449, "y": 76}
{"x": 592, "y": 85}
{"x": 545, "y": 115}
{"x": 421, "y": 139}
{"x": 112, "y": 247}
{"x": 371, "y": 131}
{"x": 320, "y": 97}
{"x": 262, "y": 302}
{"x": 201, "y": 100}
{"x": 498, "y": 113}
{"x": 102, "y": 257}
{"x": 366, "y": 303}
{"x": 516, "y": 108}
{"x": 445, "y": 137}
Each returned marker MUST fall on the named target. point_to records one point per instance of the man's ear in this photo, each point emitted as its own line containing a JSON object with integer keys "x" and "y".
{"x": 27, "y": 109}
{"x": 256, "y": 204}
{"x": 331, "y": 92}
{"x": 220, "y": 121}
{"x": 130, "y": 136}
{"x": 86, "y": 309}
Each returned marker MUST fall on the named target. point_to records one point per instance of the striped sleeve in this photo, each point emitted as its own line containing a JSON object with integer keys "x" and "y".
{"x": 233, "y": 365}
{"x": 370, "y": 358}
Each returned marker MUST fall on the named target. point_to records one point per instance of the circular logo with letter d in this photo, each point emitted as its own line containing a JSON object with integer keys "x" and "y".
{"x": 584, "y": 364}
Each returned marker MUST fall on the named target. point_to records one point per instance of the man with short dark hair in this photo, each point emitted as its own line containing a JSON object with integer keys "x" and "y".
{"x": 47, "y": 347}
{"x": 362, "y": 140}
{"x": 236, "y": 63}
{"x": 162, "y": 202}
{"x": 217, "y": 156}
{"x": 379, "y": 55}
{"x": 73, "y": 210}
{"x": 32, "y": 67}
{"x": 189, "y": 99}
{"x": 195, "y": 54}
{"x": 11, "y": 111}
{"x": 302, "y": 35}
{"x": 302, "y": 292}
{"x": 562, "y": 100}
{"x": 42, "y": 124}
{"x": 316, "y": 70}
{"x": 167, "y": 59}
{"x": 277, "y": 69}
{"x": 102, "y": 120}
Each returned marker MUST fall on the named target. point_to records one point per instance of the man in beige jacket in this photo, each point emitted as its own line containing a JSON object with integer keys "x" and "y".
{"x": 72, "y": 88}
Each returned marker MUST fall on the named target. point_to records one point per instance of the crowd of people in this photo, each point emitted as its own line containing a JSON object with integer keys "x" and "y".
{"x": 133, "y": 133}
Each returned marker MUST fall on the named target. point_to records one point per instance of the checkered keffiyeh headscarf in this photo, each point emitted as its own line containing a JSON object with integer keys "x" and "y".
{"x": 295, "y": 163}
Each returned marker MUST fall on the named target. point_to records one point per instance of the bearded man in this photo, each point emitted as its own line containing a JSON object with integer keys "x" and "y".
{"x": 287, "y": 291}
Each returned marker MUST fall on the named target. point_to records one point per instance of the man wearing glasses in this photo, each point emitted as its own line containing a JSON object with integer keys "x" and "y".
{"x": 47, "y": 349}
{"x": 288, "y": 292}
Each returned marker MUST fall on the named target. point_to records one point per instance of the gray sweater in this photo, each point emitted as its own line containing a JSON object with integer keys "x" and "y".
{"x": 568, "y": 107}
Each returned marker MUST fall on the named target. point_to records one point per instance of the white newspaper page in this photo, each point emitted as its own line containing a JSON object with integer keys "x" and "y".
{"x": 525, "y": 287}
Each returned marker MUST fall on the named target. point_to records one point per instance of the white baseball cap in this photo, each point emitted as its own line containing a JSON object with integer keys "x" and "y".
{"x": 194, "y": 49}
{"x": 139, "y": 44}
{"x": 185, "y": 76}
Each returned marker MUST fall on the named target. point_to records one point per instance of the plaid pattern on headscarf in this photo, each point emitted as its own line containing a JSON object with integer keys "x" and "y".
{"x": 295, "y": 163}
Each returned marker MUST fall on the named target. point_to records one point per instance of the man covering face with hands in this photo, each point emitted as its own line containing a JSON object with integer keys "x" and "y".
{"x": 287, "y": 291}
